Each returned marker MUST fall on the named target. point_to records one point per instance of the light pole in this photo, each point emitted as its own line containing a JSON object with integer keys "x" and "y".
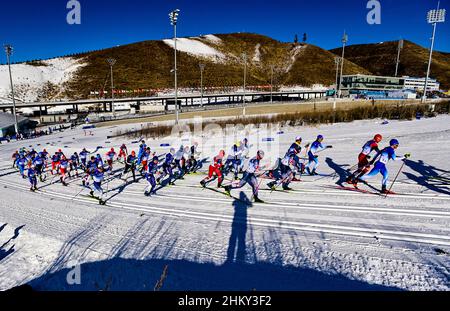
{"x": 337, "y": 61}
{"x": 399, "y": 48}
{"x": 434, "y": 17}
{"x": 344, "y": 42}
{"x": 8, "y": 50}
{"x": 271, "y": 83}
{"x": 173, "y": 21}
{"x": 202, "y": 67}
{"x": 244, "y": 57}
{"x": 112, "y": 62}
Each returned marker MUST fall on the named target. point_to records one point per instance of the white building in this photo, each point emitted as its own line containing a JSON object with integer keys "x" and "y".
{"x": 419, "y": 84}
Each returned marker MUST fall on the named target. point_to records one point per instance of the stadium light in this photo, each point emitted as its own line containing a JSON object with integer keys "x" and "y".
{"x": 8, "y": 51}
{"x": 173, "y": 21}
{"x": 112, "y": 62}
{"x": 202, "y": 67}
{"x": 344, "y": 42}
{"x": 399, "y": 48}
{"x": 433, "y": 17}
{"x": 244, "y": 58}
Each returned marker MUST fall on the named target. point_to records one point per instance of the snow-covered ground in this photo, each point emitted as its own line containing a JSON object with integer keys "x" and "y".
{"x": 29, "y": 80}
{"x": 317, "y": 237}
{"x": 196, "y": 48}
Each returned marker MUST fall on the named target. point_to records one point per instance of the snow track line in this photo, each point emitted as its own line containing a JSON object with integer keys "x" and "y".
{"x": 309, "y": 206}
{"x": 349, "y": 193}
{"x": 294, "y": 225}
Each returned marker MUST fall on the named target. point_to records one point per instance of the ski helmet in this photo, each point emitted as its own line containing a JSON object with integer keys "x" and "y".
{"x": 319, "y": 137}
{"x": 394, "y": 142}
{"x": 378, "y": 138}
{"x": 298, "y": 138}
{"x": 155, "y": 159}
{"x": 260, "y": 154}
{"x": 245, "y": 141}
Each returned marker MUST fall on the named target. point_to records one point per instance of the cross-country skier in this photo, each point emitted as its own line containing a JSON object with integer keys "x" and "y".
{"x": 142, "y": 148}
{"x": 90, "y": 168}
{"x": 192, "y": 158}
{"x": 180, "y": 162}
{"x": 98, "y": 176}
{"x": 215, "y": 168}
{"x": 83, "y": 157}
{"x": 364, "y": 157}
{"x": 123, "y": 153}
{"x": 249, "y": 177}
{"x": 315, "y": 148}
{"x": 38, "y": 163}
{"x": 15, "y": 157}
{"x": 55, "y": 163}
{"x": 284, "y": 173}
{"x": 74, "y": 162}
{"x": 243, "y": 158}
{"x": 152, "y": 168}
{"x": 20, "y": 163}
{"x": 130, "y": 166}
{"x": 63, "y": 167}
{"x": 233, "y": 160}
{"x": 32, "y": 177}
{"x": 99, "y": 160}
{"x": 110, "y": 158}
{"x": 145, "y": 158}
{"x": 167, "y": 167}
{"x": 382, "y": 158}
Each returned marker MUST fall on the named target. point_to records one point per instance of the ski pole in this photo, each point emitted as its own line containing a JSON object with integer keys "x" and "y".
{"x": 395, "y": 179}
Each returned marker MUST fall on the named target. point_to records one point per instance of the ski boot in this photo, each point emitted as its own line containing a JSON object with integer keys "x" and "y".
{"x": 258, "y": 200}
{"x": 203, "y": 183}
{"x": 227, "y": 190}
{"x": 314, "y": 173}
{"x": 101, "y": 202}
{"x": 308, "y": 171}
{"x": 385, "y": 191}
{"x": 271, "y": 185}
{"x": 91, "y": 193}
{"x": 286, "y": 188}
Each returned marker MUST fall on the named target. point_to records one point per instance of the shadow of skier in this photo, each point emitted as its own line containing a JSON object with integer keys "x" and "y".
{"x": 426, "y": 173}
{"x": 236, "y": 247}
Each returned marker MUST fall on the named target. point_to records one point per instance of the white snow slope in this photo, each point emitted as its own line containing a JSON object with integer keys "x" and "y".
{"x": 317, "y": 237}
{"x": 28, "y": 79}
{"x": 196, "y": 48}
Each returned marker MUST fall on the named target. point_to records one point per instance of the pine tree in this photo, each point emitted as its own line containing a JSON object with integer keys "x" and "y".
{"x": 304, "y": 37}
{"x": 295, "y": 39}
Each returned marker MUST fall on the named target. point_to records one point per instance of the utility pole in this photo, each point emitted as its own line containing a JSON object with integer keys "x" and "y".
{"x": 244, "y": 57}
{"x": 173, "y": 20}
{"x": 399, "y": 48}
{"x": 271, "y": 83}
{"x": 344, "y": 42}
{"x": 8, "y": 50}
{"x": 202, "y": 67}
{"x": 434, "y": 17}
{"x": 112, "y": 62}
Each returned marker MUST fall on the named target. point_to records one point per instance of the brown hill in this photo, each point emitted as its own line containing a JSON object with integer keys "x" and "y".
{"x": 380, "y": 60}
{"x": 147, "y": 65}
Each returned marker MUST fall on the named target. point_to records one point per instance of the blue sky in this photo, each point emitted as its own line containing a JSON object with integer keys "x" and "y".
{"x": 38, "y": 28}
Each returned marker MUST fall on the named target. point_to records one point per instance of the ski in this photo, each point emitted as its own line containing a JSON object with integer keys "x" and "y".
{"x": 228, "y": 195}
{"x": 361, "y": 190}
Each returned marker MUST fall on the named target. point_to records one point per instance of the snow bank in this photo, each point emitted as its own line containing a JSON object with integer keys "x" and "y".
{"x": 213, "y": 39}
{"x": 196, "y": 48}
{"x": 28, "y": 79}
{"x": 257, "y": 55}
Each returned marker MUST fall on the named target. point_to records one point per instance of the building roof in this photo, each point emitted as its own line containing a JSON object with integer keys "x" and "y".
{"x": 7, "y": 120}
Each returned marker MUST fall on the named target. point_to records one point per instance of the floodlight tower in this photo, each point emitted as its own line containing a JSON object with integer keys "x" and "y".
{"x": 112, "y": 62}
{"x": 344, "y": 42}
{"x": 9, "y": 50}
{"x": 202, "y": 68}
{"x": 434, "y": 17}
{"x": 173, "y": 21}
